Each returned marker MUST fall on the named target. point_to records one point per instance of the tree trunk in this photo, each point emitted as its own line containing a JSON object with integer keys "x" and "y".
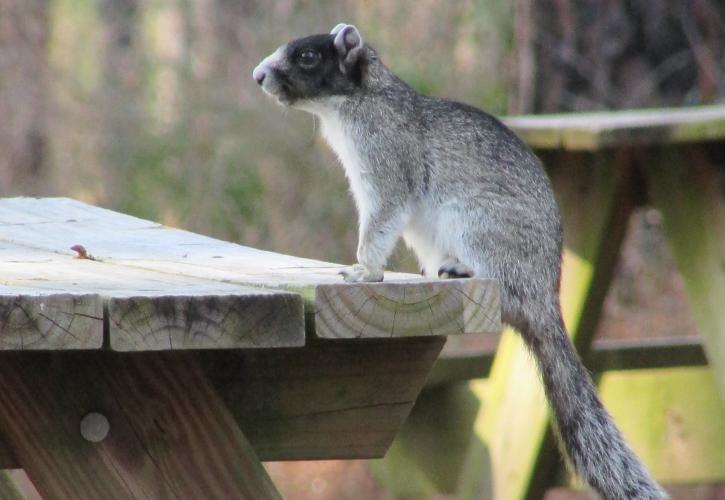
{"x": 23, "y": 94}
{"x": 588, "y": 54}
{"x": 121, "y": 95}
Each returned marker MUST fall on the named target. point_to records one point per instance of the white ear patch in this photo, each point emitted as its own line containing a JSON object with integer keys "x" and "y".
{"x": 337, "y": 28}
{"x": 349, "y": 44}
{"x": 347, "y": 38}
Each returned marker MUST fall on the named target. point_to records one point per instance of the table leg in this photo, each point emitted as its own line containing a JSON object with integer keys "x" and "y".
{"x": 688, "y": 186}
{"x": 170, "y": 434}
{"x": 8, "y": 491}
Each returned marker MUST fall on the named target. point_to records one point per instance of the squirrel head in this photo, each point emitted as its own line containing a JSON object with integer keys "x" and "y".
{"x": 316, "y": 67}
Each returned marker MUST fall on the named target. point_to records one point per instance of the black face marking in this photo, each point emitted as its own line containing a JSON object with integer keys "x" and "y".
{"x": 311, "y": 68}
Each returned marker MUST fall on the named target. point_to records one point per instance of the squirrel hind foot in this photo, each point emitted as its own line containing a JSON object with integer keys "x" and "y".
{"x": 452, "y": 268}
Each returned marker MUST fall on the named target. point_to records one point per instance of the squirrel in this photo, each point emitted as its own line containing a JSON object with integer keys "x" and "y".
{"x": 470, "y": 199}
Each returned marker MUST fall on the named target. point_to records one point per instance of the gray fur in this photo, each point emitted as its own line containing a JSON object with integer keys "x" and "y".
{"x": 466, "y": 194}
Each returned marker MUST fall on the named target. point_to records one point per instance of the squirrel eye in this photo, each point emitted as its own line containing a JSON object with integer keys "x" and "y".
{"x": 308, "y": 58}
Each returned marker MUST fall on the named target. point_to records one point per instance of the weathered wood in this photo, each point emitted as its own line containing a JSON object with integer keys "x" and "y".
{"x": 8, "y": 460}
{"x": 329, "y": 399}
{"x": 425, "y": 458}
{"x": 205, "y": 321}
{"x": 161, "y": 289}
{"x": 8, "y": 491}
{"x": 472, "y": 358}
{"x": 688, "y": 188}
{"x": 171, "y": 436}
{"x": 650, "y": 353}
{"x": 428, "y": 453}
{"x": 49, "y": 300}
{"x": 56, "y": 224}
{"x": 598, "y": 130}
{"x": 185, "y": 426}
{"x": 398, "y": 310}
{"x": 411, "y": 469}
{"x": 673, "y": 418}
{"x": 320, "y": 393}
{"x": 58, "y": 321}
{"x": 464, "y": 357}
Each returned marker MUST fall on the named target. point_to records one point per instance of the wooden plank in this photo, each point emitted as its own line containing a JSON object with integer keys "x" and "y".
{"x": 185, "y": 426}
{"x": 130, "y": 242}
{"x": 673, "y": 419}
{"x": 360, "y": 370}
{"x": 428, "y": 453}
{"x": 333, "y": 399}
{"x": 514, "y": 428}
{"x": 646, "y": 353}
{"x": 8, "y": 460}
{"x": 170, "y": 435}
{"x": 32, "y": 317}
{"x": 686, "y": 185}
{"x": 374, "y": 310}
{"x": 122, "y": 239}
{"x": 472, "y": 358}
{"x": 597, "y": 130}
{"x": 8, "y": 491}
{"x": 58, "y": 321}
{"x": 464, "y": 357}
{"x": 251, "y": 320}
{"x": 52, "y": 300}
{"x": 329, "y": 399}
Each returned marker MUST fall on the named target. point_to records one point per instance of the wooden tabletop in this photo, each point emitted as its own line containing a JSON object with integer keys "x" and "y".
{"x": 160, "y": 288}
{"x": 597, "y": 130}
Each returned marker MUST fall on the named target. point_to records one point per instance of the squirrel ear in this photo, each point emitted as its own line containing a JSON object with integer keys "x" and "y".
{"x": 337, "y": 28}
{"x": 349, "y": 45}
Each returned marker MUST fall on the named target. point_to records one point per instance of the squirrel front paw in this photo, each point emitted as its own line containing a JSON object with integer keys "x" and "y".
{"x": 358, "y": 273}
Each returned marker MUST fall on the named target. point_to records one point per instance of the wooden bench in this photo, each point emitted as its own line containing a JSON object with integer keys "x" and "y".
{"x": 492, "y": 439}
{"x": 141, "y": 361}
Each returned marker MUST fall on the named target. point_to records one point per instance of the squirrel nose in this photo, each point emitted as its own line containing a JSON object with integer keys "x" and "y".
{"x": 258, "y": 74}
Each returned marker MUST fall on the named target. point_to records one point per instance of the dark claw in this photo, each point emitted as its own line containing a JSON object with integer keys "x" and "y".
{"x": 451, "y": 273}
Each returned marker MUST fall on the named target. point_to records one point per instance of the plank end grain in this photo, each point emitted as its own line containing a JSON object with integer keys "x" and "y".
{"x": 50, "y": 322}
{"x": 407, "y": 309}
{"x": 142, "y": 323}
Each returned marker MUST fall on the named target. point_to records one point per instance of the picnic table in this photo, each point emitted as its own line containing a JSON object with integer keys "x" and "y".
{"x": 141, "y": 361}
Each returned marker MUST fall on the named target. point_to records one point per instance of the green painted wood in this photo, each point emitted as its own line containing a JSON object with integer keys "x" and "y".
{"x": 596, "y": 194}
{"x": 428, "y": 453}
{"x": 8, "y": 491}
{"x": 673, "y": 418}
{"x": 688, "y": 187}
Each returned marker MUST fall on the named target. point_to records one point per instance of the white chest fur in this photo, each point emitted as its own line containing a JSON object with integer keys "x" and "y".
{"x": 339, "y": 136}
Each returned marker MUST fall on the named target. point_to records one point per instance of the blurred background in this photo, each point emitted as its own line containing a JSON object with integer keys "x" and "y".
{"x": 149, "y": 108}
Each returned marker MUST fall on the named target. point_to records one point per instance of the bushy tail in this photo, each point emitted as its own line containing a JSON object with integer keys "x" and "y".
{"x": 592, "y": 442}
